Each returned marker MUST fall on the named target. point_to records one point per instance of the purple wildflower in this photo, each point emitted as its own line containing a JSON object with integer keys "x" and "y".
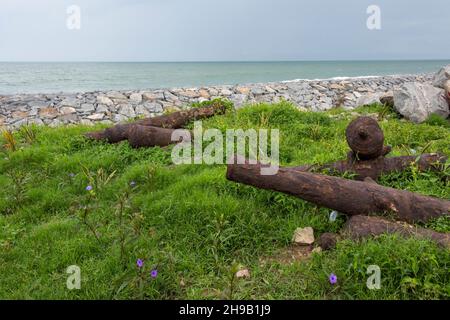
{"x": 154, "y": 273}
{"x": 333, "y": 278}
{"x": 133, "y": 184}
{"x": 71, "y": 175}
{"x": 88, "y": 188}
{"x": 140, "y": 263}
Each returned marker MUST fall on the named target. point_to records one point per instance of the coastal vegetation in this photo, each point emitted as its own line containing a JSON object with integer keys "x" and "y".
{"x": 139, "y": 227}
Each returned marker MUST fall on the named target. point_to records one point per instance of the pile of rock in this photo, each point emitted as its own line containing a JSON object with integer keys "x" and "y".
{"x": 315, "y": 95}
{"x": 416, "y": 101}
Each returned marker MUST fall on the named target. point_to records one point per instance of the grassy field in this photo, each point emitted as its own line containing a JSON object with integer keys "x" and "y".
{"x": 196, "y": 228}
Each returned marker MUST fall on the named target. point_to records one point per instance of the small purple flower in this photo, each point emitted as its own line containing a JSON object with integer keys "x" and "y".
{"x": 88, "y": 188}
{"x": 71, "y": 175}
{"x": 154, "y": 273}
{"x": 133, "y": 184}
{"x": 333, "y": 278}
{"x": 139, "y": 263}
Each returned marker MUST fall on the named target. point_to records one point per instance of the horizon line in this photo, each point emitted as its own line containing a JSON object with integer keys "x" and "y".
{"x": 217, "y": 61}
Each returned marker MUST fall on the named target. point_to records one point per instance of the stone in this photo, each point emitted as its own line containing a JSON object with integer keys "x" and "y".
{"x": 104, "y": 100}
{"x": 142, "y": 111}
{"x": 36, "y": 121}
{"x": 447, "y": 89}
{"x": 49, "y": 113}
{"x": 20, "y": 123}
{"x": 70, "y": 102}
{"x": 69, "y": 118}
{"x": 116, "y": 95}
{"x": 169, "y": 96}
{"x": 226, "y": 92}
{"x": 153, "y": 107}
{"x": 152, "y": 96}
{"x": 441, "y": 77}
{"x": 127, "y": 110}
{"x": 102, "y": 108}
{"x": 335, "y": 86}
{"x": 136, "y": 98}
{"x": 257, "y": 91}
{"x": 96, "y": 116}
{"x": 238, "y": 100}
{"x": 190, "y": 93}
{"x": 119, "y": 118}
{"x": 303, "y": 236}
{"x": 67, "y": 110}
{"x": 204, "y": 94}
{"x": 388, "y": 99}
{"x": 417, "y": 101}
{"x": 243, "y": 273}
{"x": 87, "y": 107}
{"x": 39, "y": 104}
{"x": 368, "y": 99}
{"x": 19, "y": 114}
{"x": 327, "y": 241}
{"x": 243, "y": 90}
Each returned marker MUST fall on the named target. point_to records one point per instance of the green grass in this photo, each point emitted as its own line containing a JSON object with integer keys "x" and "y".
{"x": 196, "y": 227}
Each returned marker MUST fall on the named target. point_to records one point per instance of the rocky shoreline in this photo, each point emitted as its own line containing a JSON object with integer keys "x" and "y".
{"x": 118, "y": 106}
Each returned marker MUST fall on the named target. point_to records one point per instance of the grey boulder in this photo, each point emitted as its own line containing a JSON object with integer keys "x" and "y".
{"x": 441, "y": 77}
{"x": 417, "y": 101}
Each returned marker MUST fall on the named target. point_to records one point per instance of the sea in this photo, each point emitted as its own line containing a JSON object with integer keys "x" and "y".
{"x": 53, "y": 77}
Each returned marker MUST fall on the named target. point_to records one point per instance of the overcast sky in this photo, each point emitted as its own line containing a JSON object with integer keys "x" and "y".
{"x": 223, "y": 30}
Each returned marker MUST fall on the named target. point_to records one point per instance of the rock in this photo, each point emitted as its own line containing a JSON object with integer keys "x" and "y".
{"x": 69, "y": 118}
{"x": 36, "y": 121}
{"x": 20, "y": 123}
{"x": 447, "y": 89}
{"x": 142, "y": 111}
{"x": 190, "y": 93}
{"x": 116, "y": 95}
{"x": 102, "y": 108}
{"x": 336, "y": 86}
{"x": 388, "y": 99}
{"x": 104, "y": 100}
{"x": 226, "y": 92}
{"x": 70, "y": 102}
{"x": 136, "y": 98}
{"x": 328, "y": 240}
{"x": 67, "y": 110}
{"x": 243, "y": 273}
{"x": 19, "y": 114}
{"x": 96, "y": 116}
{"x": 368, "y": 99}
{"x": 152, "y": 107}
{"x": 204, "y": 94}
{"x": 441, "y": 77}
{"x": 303, "y": 236}
{"x": 49, "y": 113}
{"x": 119, "y": 118}
{"x": 238, "y": 100}
{"x": 127, "y": 110}
{"x": 417, "y": 101}
{"x": 87, "y": 107}
{"x": 152, "y": 96}
{"x": 39, "y": 104}
{"x": 243, "y": 90}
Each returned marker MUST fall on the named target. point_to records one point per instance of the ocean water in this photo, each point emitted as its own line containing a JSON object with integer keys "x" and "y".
{"x": 77, "y": 77}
